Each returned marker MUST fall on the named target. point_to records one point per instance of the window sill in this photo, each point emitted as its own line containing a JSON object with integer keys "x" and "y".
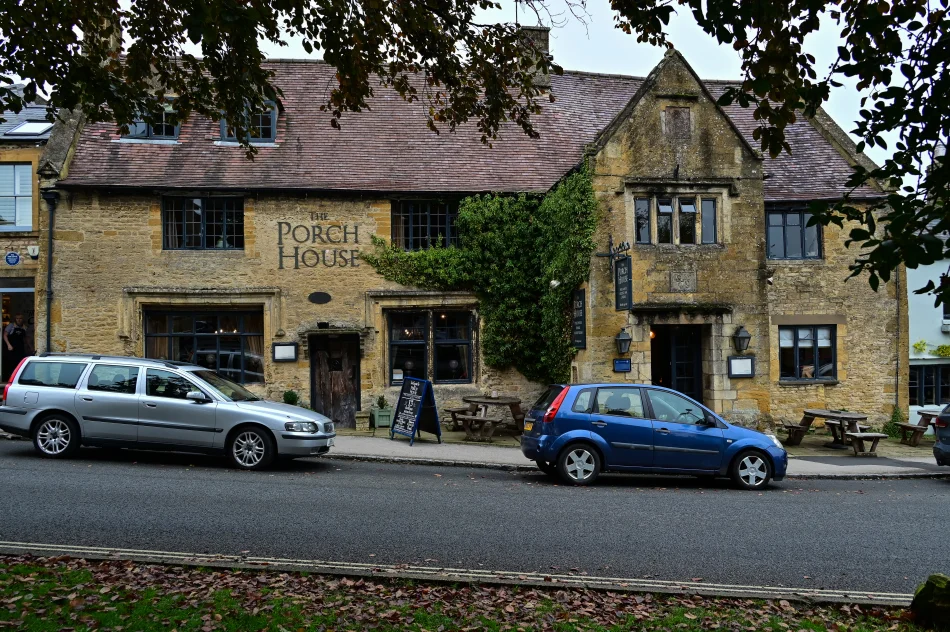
{"x": 797, "y": 262}
{"x": 235, "y": 251}
{"x": 19, "y": 231}
{"x": 674, "y": 246}
{"x": 234, "y": 143}
{"x": 827, "y": 381}
{"x": 147, "y": 141}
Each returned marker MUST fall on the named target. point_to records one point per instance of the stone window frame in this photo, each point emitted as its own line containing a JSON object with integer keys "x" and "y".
{"x": 406, "y": 213}
{"x": 203, "y": 230}
{"x": 802, "y": 212}
{"x": 431, "y": 343}
{"x": 833, "y": 376}
{"x": 699, "y": 198}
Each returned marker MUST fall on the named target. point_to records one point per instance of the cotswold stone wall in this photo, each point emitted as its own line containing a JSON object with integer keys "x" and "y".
{"x": 675, "y": 142}
{"x": 110, "y": 266}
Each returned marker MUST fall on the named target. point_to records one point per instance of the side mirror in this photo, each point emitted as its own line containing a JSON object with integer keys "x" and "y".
{"x": 710, "y": 421}
{"x": 197, "y": 396}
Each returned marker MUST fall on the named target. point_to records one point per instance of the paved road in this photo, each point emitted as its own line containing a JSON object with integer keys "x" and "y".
{"x": 862, "y": 535}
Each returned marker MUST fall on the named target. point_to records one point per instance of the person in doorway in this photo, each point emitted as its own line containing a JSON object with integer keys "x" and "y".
{"x": 15, "y": 345}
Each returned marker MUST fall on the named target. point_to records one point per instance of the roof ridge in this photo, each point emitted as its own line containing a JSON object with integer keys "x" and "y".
{"x": 603, "y": 74}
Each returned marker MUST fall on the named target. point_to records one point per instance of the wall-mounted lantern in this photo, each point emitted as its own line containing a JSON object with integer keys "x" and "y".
{"x": 741, "y": 339}
{"x": 623, "y": 341}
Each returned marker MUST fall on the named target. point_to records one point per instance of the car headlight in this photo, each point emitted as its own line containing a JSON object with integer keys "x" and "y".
{"x": 300, "y": 426}
{"x": 778, "y": 444}
{"x": 328, "y": 427}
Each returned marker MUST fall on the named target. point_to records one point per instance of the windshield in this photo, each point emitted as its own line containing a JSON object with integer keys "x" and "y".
{"x": 234, "y": 392}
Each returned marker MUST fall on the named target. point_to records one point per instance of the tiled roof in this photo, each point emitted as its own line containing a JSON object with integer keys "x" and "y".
{"x": 389, "y": 149}
{"x": 14, "y": 119}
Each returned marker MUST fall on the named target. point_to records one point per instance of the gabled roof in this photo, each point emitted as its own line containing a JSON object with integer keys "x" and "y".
{"x": 14, "y": 120}
{"x": 389, "y": 150}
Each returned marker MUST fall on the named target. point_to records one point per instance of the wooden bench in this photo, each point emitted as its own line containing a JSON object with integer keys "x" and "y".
{"x": 796, "y": 432}
{"x": 858, "y": 439}
{"x": 911, "y": 434}
{"x": 484, "y": 427}
{"x": 460, "y": 410}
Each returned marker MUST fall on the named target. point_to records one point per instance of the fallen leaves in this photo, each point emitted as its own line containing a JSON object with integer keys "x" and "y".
{"x": 82, "y": 594}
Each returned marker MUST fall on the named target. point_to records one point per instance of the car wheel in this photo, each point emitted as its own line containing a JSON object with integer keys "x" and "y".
{"x": 751, "y": 470}
{"x": 251, "y": 448}
{"x": 56, "y": 437}
{"x": 548, "y": 468}
{"x": 578, "y": 464}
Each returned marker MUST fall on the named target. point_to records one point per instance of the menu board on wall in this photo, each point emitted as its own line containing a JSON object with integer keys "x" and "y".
{"x": 578, "y": 320}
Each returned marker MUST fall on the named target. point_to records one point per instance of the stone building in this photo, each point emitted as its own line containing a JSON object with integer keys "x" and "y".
{"x": 23, "y": 136}
{"x": 170, "y": 243}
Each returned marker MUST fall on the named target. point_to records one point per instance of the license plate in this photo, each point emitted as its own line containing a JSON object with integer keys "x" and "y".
{"x": 528, "y": 425}
{"x": 330, "y": 443}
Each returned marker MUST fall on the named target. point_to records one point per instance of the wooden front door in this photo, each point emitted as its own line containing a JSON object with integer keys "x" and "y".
{"x": 335, "y": 377}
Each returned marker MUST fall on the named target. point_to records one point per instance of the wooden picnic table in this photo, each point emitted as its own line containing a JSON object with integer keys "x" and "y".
{"x": 839, "y": 422}
{"x": 486, "y": 424}
{"x": 912, "y": 433}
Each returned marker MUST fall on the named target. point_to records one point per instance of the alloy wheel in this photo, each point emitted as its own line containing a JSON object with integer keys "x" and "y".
{"x": 752, "y": 470}
{"x": 580, "y": 464}
{"x": 248, "y": 448}
{"x": 53, "y": 437}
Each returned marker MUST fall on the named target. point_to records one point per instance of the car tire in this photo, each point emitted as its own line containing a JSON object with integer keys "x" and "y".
{"x": 578, "y": 464}
{"x": 56, "y": 437}
{"x": 251, "y": 448}
{"x": 547, "y": 467}
{"x": 750, "y": 470}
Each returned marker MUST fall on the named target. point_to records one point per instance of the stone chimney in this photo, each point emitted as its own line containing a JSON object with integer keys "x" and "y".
{"x": 538, "y": 37}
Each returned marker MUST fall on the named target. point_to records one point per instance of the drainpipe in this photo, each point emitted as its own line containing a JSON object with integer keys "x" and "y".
{"x": 52, "y": 197}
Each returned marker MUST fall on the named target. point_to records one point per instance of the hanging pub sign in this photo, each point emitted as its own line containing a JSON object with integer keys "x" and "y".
{"x": 623, "y": 284}
{"x": 415, "y": 411}
{"x": 578, "y": 320}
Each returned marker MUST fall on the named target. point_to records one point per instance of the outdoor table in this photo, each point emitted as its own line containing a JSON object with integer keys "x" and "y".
{"x": 485, "y": 401}
{"x": 839, "y": 422}
{"x": 911, "y": 434}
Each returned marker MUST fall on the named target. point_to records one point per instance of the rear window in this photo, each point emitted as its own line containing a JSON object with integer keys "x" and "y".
{"x": 53, "y": 374}
{"x": 547, "y": 398}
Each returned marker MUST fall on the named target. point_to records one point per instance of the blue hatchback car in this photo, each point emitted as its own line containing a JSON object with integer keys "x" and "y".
{"x": 578, "y": 431}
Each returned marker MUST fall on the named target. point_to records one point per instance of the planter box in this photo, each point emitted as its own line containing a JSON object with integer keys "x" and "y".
{"x": 381, "y": 418}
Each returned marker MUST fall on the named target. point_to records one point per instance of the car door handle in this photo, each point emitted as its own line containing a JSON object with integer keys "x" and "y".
{"x": 599, "y": 424}
{"x": 87, "y": 399}
{"x": 150, "y": 405}
{"x": 662, "y": 431}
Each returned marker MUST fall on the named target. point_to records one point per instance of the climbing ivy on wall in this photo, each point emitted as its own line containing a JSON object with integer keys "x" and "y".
{"x": 522, "y": 256}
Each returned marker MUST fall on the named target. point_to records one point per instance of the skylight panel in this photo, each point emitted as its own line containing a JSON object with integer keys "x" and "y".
{"x": 30, "y": 128}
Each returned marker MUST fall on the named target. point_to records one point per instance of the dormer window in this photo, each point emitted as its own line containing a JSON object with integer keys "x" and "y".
{"x": 164, "y": 127}
{"x": 261, "y": 126}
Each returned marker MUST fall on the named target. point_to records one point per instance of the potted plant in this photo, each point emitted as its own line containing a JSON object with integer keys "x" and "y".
{"x": 382, "y": 415}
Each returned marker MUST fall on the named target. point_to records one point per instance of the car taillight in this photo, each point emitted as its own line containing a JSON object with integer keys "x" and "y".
{"x": 555, "y": 405}
{"x": 942, "y": 423}
{"x": 12, "y": 379}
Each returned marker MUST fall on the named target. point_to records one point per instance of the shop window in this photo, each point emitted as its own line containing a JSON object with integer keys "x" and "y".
{"x": 228, "y": 343}
{"x": 16, "y": 197}
{"x": 202, "y": 223}
{"x": 946, "y": 310}
{"x": 790, "y": 237}
{"x": 807, "y": 353}
{"x": 448, "y": 334}
{"x": 679, "y": 220}
{"x": 930, "y": 385}
{"x": 165, "y": 126}
{"x": 261, "y": 126}
{"x": 420, "y": 224}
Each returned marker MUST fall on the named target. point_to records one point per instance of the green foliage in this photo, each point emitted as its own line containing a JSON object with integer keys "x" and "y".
{"x": 941, "y": 351}
{"x": 892, "y": 427}
{"x": 291, "y": 397}
{"x": 381, "y": 402}
{"x": 521, "y": 256}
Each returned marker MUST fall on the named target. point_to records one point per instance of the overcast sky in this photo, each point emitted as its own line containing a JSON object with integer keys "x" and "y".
{"x": 599, "y": 47}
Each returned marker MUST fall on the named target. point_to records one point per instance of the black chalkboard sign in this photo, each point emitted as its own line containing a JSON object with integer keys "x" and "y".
{"x": 415, "y": 410}
{"x": 578, "y": 320}
{"x": 623, "y": 288}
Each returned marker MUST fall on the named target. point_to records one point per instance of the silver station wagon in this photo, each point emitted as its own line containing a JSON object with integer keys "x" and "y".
{"x": 62, "y": 401}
